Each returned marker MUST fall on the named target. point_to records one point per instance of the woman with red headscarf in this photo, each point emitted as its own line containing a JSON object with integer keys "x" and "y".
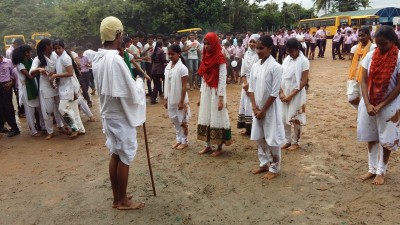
{"x": 213, "y": 124}
{"x": 379, "y": 109}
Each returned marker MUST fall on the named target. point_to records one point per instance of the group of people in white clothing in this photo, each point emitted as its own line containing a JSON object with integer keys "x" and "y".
{"x": 49, "y": 87}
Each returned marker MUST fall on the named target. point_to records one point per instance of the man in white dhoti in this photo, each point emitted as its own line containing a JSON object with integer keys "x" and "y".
{"x": 293, "y": 94}
{"x": 245, "y": 110}
{"x": 267, "y": 129}
{"x": 123, "y": 108}
{"x": 379, "y": 109}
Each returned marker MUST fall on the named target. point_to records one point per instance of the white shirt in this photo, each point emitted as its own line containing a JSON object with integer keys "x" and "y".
{"x": 68, "y": 86}
{"x": 22, "y": 88}
{"x": 45, "y": 88}
{"x": 194, "y": 46}
{"x": 89, "y": 54}
{"x": 120, "y": 95}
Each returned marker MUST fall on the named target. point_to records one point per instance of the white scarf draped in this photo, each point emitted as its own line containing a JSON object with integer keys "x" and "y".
{"x": 173, "y": 83}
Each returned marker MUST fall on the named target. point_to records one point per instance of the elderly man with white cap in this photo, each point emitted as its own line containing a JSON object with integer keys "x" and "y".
{"x": 123, "y": 108}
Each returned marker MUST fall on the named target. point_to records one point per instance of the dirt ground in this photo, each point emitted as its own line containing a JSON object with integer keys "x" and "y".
{"x": 64, "y": 181}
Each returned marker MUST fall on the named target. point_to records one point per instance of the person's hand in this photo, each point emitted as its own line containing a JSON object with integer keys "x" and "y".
{"x": 220, "y": 104}
{"x": 180, "y": 105}
{"x": 282, "y": 96}
{"x": 198, "y": 103}
{"x": 371, "y": 110}
{"x": 8, "y": 85}
{"x": 52, "y": 77}
{"x": 166, "y": 104}
{"x": 287, "y": 99}
{"x": 42, "y": 70}
{"x": 147, "y": 76}
{"x": 245, "y": 87}
{"x": 378, "y": 108}
{"x": 260, "y": 114}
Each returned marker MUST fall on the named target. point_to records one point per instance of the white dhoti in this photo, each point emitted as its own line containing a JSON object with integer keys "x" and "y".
{"x": 70, "y": 113}
{"x": 245, "y": 112}
{"x": 269, "y": 156}
{"x": 121, "y": 139}
{"x": 180, "y": 119}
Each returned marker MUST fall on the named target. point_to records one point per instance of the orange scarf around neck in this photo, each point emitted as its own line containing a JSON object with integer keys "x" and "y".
{"x": 355, "y": 69}
{"x": 380, "y": 72}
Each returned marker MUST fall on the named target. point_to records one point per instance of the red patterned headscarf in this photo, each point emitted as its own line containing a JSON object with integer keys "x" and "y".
{"x": 381, "y": 70}
{"x": 209, "y": 67}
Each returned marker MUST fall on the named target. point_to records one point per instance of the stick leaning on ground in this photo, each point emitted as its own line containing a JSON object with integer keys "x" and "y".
{"x": 148, "y": 158}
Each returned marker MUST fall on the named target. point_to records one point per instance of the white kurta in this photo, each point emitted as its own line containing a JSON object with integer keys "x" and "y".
{"x": 213, "y": 126}
{"x": 123, "y": 103}
{"x": 68, "y": 90}
{"x": 265, "y": 81}
{"x": 294, "y": 111}
{"x": 384, "y": 126}
{"x": 49, "y": 100}
{"x": 172, "y": 92}
{"x": 29, "y": 105}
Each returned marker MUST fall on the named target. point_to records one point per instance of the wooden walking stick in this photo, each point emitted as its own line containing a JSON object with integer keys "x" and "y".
{"x": 148, "y": 159}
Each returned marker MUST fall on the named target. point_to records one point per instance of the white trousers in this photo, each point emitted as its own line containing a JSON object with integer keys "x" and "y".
{"x": 84, "y": 107}
{"x": 376, "y": 164}
{"x": 30, "y": 116}
{"x": 179, "y": 118}
{"x": 70, "y": 113}
{"x": 49, "y": 106}
{"x": 296, "y": 134}
{"x": 269, "y": 156}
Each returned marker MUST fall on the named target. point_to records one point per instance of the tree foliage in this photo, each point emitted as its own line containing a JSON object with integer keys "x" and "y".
{"x": 341, "y": 5}
{"x": 80, "y": 19}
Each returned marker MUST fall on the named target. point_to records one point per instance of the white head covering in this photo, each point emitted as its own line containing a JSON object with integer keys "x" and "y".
{"x": 109, "y": 27}
{"x": 254, "y": 37}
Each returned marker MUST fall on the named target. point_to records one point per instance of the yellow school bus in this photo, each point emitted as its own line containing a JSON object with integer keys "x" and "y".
{"x": 331, "y": 24}
{"x": 37, "y": 36}
{"x": 189, "y": 30}
{"x": 9, "y": 40}
{"x": 362, "y": 21}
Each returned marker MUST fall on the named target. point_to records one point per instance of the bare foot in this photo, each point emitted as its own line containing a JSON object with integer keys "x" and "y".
{"x": 92, "y": 119}
{"x": 294, "y": 147}
{"x": 60, "y": 130}
{"x": 49, "y": 136}
{"x": 379, "y": 180}
{"x": 260, "y": 170}
{"x": 270, "y": 176}
{"x": 130, "y": 205}
{"x": 181, "y": 146}
{"x": 285, "y": 146}
{"x": 367, "y": 176}
{"x": 37, "y": 135}
{"x": 175, "y": 145}
{"x": 217, "y": 153}
{"x": 205, "y": 150}
{"x": 73, "y": 135}
{"x": 115, "y": 203}
{"x": 244, "y": 133}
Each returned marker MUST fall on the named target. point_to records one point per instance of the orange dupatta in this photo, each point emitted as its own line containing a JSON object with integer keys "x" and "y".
{"x": 355, "y": 69}
{"x": 380, "y": 72}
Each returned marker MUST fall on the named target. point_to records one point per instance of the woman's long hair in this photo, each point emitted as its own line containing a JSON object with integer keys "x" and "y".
{"x": 158, "y": 46}
{"x": 19, "y": 54}
{"x": 60, "y": 42}
{"x": 41, "y": 47}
